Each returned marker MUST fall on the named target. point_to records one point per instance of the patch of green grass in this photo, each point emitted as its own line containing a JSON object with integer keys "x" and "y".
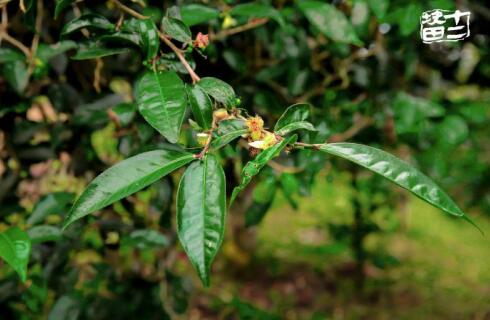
{"x": 444, "y": 269}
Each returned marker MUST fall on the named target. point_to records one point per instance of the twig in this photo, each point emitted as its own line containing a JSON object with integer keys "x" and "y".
{"x": 99, "y": 64}
{"x": 360, "y": 123}
{"x": 283, "y": 169}
{"x": 195, "y": 78}
{"x": 5, "y": 36}
{"x": 228, "y": 32}
{"x": 203, "y": 152}
{"x": 35, "y": 40}
{"x": 129, "y": 10}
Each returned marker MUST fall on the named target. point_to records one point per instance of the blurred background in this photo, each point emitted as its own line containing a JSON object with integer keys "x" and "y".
{"x": 313, "y": 237}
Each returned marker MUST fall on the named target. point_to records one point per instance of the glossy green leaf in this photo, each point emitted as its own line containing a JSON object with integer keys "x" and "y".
{"x": 89, "y": 21}
{"x": 201, "y": 211}
{"x": 53, "y": 203}
{"x": 121, "y": 38}
{"x": 149, "y": 38}
{"x": 329, "y": 21}
{"x": 40, "y": 234}
{"x": 193, "y": 14}
{"x": 15, "y": 73}
{"x": 125, "y": 178}
{"x": 219, "y": 90}
{"x": 397, "y": 171}
{"x": 305, "y": 125}
{"x": 257, "y": 10}
{"x": 94, "y": 50}
{"x": 227, "y": 131}
{"x": 263, "y": 195}
{"x": 294, "y": 118}
{"x": 162, "y": 100}
{"x": 295, "y": 113}
{"x": 253, "y": 167}
{"x": 201, "y": 106}
{"x": 15, "y": 249}
{"x": 10, "y": 55}
{"x": 176, "y": 29}
{"x": 146, "y": 238}
{"x": 60, "y": 6}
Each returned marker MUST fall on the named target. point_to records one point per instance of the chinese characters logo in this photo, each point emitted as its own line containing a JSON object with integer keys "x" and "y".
{"x": 444, "y": 25}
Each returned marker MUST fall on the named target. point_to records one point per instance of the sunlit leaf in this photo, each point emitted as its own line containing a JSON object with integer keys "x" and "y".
{"x": 149, "y": 38}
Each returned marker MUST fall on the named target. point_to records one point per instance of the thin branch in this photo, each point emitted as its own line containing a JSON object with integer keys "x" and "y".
{"x": 228, "y": 32}
{"x": 37, "y": 35}
{"x": 195, "y": 78}
{"x": 128, "y": 10}
{"x": 5, "y": 36}
{"x": 99, "y": 64}
{"x": 203, "y": 152}
{"x": 283, "y": 169}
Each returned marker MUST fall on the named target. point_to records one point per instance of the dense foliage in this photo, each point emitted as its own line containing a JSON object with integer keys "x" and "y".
{"x": 168, "y": 128}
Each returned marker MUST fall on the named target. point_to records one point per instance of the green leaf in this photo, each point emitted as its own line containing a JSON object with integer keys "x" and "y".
{"x": 290, "y": 186}
{"x": 201, "y": 211}
{"x": 60, "y": 6}
{"x": 146, "y": 238}
{"x": 89, "y": 21}
{"x": 149, "y": 38}
{"x": 176, "y": 29}
{"x": 201, "y": 106}
{"x": 15, "y": 249}
{"x": 263, "y": 195}
{"x": 162, "y": 100}
{"x": 94, "y": 50}
{"x": 257, "y": 10}
{"x": 379, "y": 7}
{"x": 125, "y": 178}
{"x": 66, "y": 308}
{"x": 227, "y": 131}
{"x": 219, "y": 90}
{"x": 46, "y": 52}
{"x": 121, "y": 38}
{"x": 453, "y": 130}
{"x": 15, "y": 73}
{"x": 295, "y": 113}
{"x": 193, "y": 14}
{"x": 11, "y": 55}
{"x": 53, "y": 203}
{"x": 293, "y": 119}
{"x": 40, "y": 234}
{"x": 397, "y": 171}
{"x": 329, "y": 21}
{"x": 295, "y": 126}
{"x": 253, "y": 167}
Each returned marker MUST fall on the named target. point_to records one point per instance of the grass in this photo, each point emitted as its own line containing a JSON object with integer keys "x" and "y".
{"x": 444, "y": 270}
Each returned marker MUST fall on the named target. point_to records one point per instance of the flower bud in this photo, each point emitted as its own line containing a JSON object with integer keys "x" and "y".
{"x": 202, "y": 138}
{"x": 220, "y": 114}
{"x": 255, "y": 126}
{"x": 201, "y": 41}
